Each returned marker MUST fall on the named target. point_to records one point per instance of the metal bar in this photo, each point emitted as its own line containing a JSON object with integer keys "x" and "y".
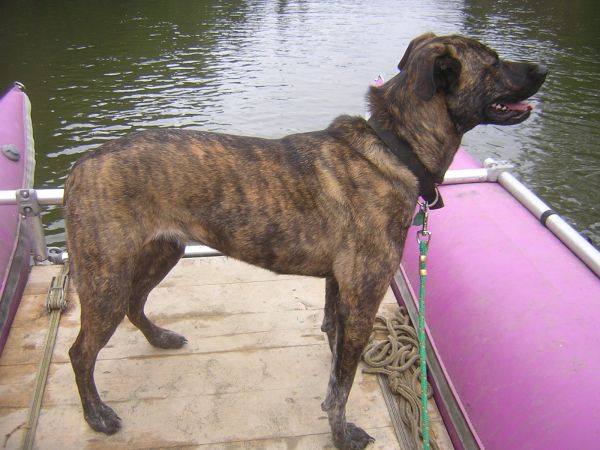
{"x": 561, "y": 229}
{"x": 55, "y": 196}
{"x": 556, "y": 224}
{"x": 47, "y": 197}
{"x": 192, "y": 251}
{"x": 44, "y": 197}
{"x": 50, "y": 196}
{"x": 519, "y": 191}
{"x": 576, "y": 243}
{"x": 8, "y": 197}
{"x": 462, "y": 176}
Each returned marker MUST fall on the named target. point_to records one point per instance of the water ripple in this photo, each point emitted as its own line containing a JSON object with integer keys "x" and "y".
{"x": 271, "y": 68}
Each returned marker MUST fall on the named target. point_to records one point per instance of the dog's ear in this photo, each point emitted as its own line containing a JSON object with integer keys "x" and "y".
{"x": 412, "y": 46}
{"x": 436, "y": 70}
{"x": 446, "y": 72}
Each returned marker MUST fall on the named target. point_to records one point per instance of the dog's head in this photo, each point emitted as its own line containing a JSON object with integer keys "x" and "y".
{"x": 478, "y": 87}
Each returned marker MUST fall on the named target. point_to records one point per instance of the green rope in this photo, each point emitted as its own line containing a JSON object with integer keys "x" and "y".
{"x": 423, "y": 247}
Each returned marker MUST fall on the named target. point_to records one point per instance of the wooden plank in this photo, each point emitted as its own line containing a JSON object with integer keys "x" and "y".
{"x": 253, "y": 374}
{"x": 202, "y": 375}
{"x": 192, "y": 418}
{"x": 205, "y": 334}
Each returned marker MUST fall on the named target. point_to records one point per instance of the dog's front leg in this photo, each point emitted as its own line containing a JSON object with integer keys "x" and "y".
{"x": 354, "y": 317}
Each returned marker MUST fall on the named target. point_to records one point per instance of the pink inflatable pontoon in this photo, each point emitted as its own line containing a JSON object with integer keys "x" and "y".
{"x": 513, "y": 316}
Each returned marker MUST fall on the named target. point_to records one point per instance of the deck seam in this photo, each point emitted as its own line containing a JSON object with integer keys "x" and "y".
{"x": 171, "y": 355}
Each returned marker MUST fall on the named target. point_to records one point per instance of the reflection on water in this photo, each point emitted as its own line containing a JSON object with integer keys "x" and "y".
{"x": 265, "y": 68}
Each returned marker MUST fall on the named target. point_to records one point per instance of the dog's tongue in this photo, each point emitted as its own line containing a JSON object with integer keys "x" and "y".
{"x": 521, "y": 106}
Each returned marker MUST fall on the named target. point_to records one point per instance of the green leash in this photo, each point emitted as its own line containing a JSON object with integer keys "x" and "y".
{"x": 423, "y": 238}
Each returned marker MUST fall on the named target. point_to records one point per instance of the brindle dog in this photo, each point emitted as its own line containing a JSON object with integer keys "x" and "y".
{"x": 334, "y": 203}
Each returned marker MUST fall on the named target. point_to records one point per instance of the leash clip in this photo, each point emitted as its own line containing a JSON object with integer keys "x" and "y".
{"x": 424, "y": 235}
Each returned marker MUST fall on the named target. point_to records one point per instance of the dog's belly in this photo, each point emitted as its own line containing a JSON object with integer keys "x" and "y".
{"x": 271, "y": 242}
{"x": 295, "y": 262}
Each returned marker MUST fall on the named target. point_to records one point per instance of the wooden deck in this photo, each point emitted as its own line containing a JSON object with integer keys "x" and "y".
{"x": 252, "y": 376}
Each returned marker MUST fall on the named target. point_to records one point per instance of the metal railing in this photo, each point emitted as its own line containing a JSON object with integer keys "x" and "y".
{"x": 30, "y": 202}
{"x": 498, "y": 171}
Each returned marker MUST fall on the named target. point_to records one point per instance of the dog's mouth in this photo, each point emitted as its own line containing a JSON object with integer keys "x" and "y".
{"x": 508, "y": 113}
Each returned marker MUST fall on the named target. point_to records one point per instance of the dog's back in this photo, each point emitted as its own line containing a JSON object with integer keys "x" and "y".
{"x": 251, "y": 198}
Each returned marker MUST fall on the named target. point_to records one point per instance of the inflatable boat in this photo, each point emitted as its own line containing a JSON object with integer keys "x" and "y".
{"x": 17, "y": 162}
{"x": 512, "y": 313}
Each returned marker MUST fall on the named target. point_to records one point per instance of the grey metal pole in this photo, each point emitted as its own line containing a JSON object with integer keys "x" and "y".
{"x": 561, "y": 229}
{"x": 493, "y": 171}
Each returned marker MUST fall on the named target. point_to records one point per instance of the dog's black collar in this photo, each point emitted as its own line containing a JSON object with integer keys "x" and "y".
{"x": 428, "y": 189}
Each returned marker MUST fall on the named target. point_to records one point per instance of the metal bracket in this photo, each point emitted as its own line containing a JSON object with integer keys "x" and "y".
{"x": 28, "y": 203}
{"x": 29, "y": 209}
{"x": 57, "y": 255}
{"x": 495, "y": 168}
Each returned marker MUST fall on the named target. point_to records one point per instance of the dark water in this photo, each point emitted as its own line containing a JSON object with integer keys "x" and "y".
{"x": 97, "y": 70}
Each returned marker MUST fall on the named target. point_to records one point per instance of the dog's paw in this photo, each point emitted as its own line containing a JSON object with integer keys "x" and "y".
{"x": 351, "y": 437}
{"x": 167, "y": 339}
{"x": 103, "y": 419}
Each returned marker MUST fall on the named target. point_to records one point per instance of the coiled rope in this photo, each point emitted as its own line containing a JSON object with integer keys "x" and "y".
{"x": 393, "y": 351}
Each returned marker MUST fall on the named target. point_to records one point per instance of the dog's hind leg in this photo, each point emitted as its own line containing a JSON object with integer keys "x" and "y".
{"x": 154, "y": 262}
{"x": 103, "y": 307}
{"x": 332, "y": 295}
{"x": 360, "y": 296}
